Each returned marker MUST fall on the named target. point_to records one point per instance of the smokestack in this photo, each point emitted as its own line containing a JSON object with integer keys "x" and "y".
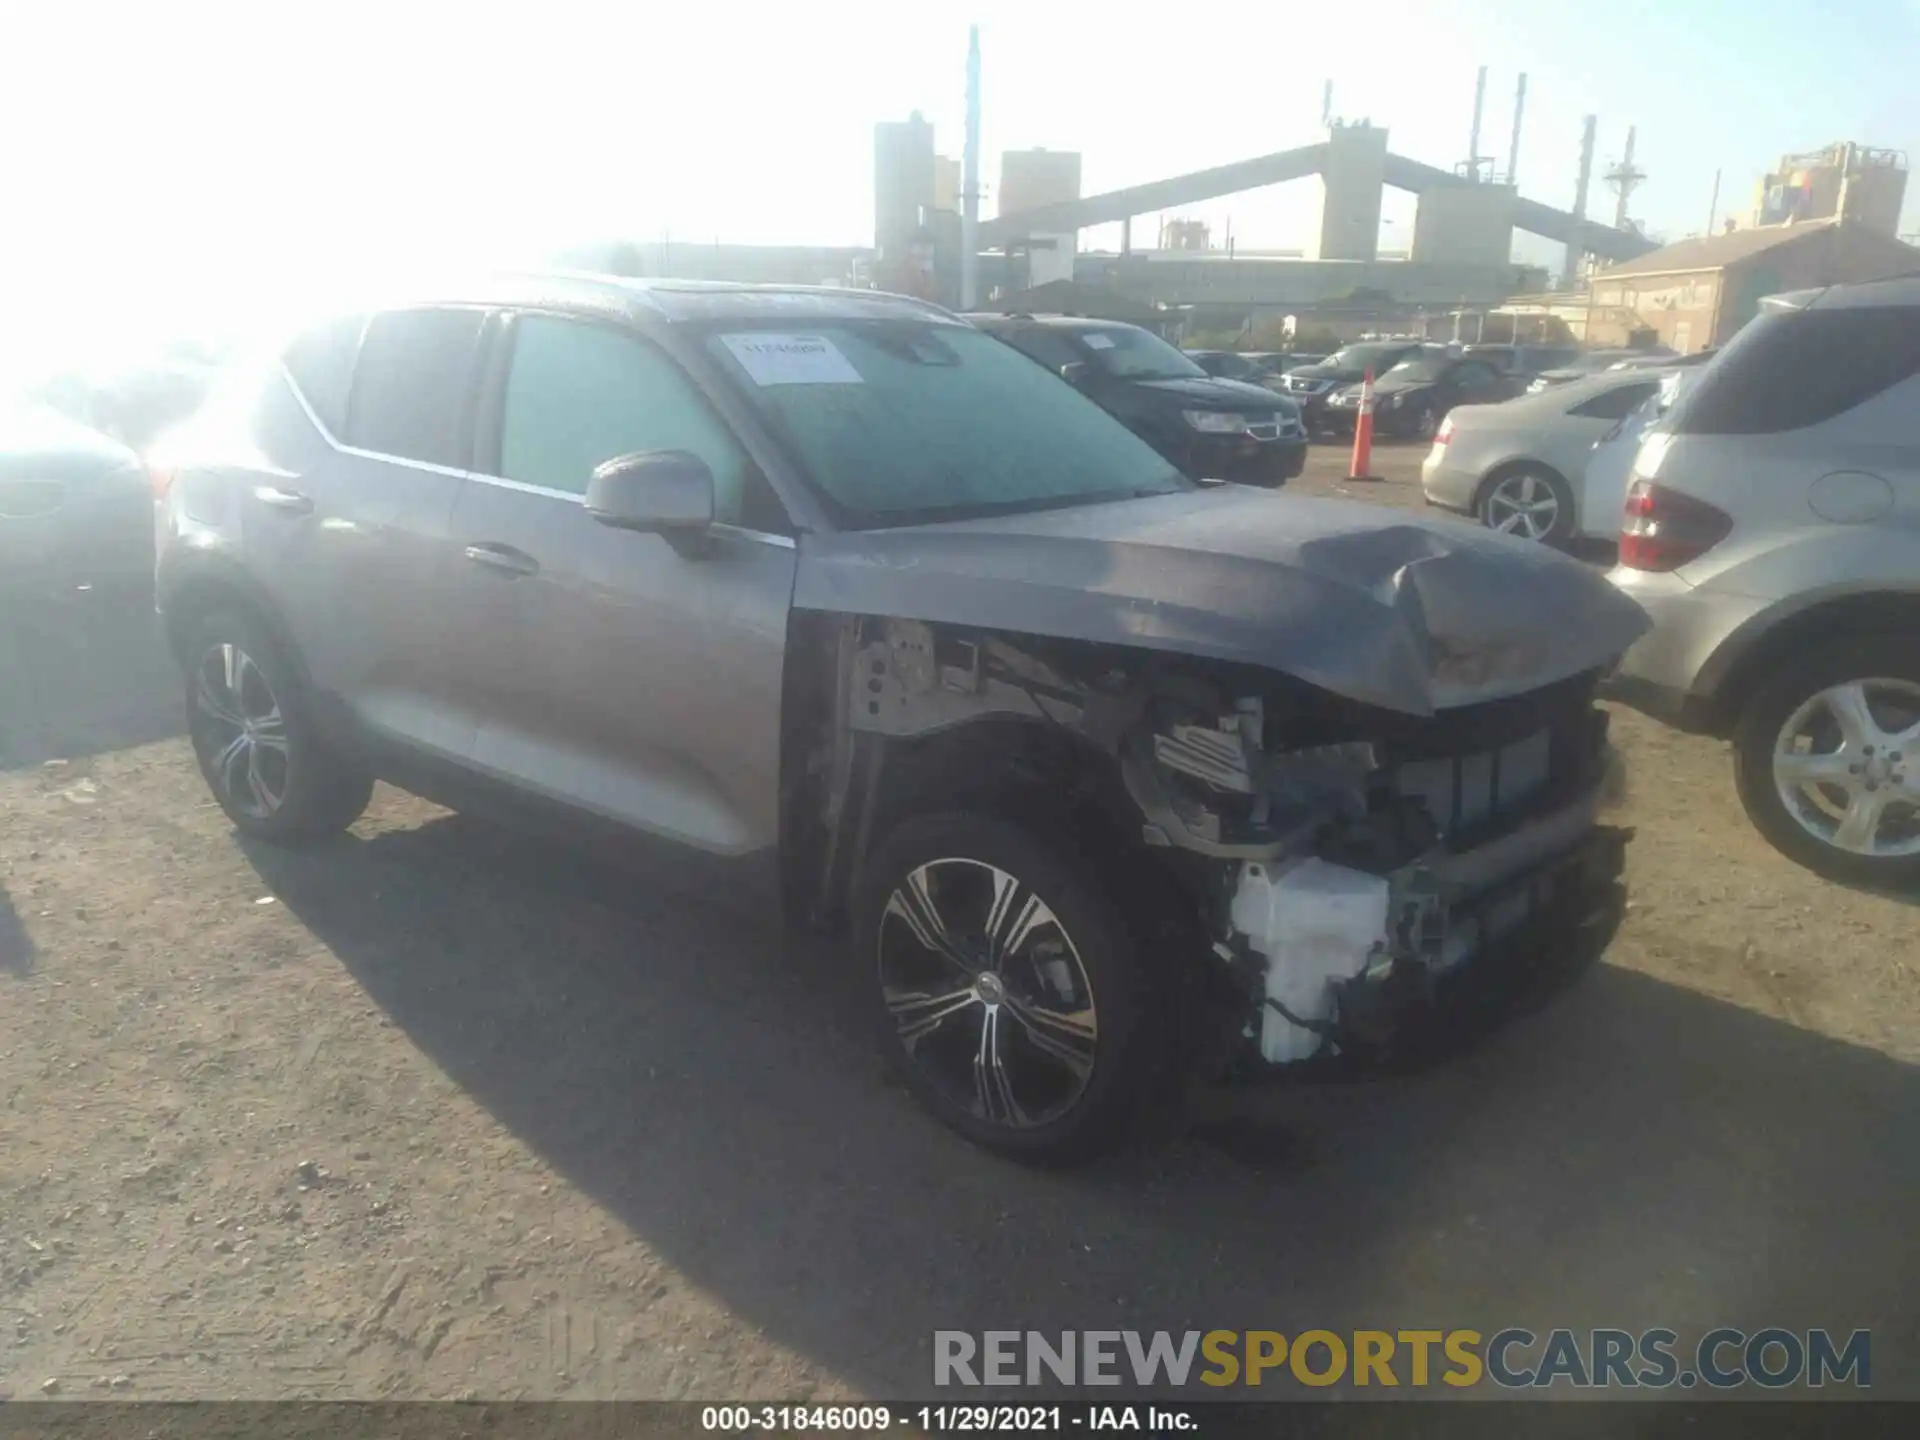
{"x": 1326, "y": 107}
{"x": 1713, "y": 205}
{"x": 1626, "y": 188}
{"x": 1513, "y": 150}
{"x": 1473, "y": 144}
{"x": 1576, "y": 242}
{"x": 970, "y": 181}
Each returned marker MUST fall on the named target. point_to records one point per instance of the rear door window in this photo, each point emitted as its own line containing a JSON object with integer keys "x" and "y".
{"x": 320, "y": 360}
{"x": 1617, "y": 403}
{"x": 1786, "y": 371}
{"x": 413, "y": 385}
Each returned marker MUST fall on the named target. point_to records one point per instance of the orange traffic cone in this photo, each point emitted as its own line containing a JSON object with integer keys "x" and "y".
{"x": 1362, "y": 466}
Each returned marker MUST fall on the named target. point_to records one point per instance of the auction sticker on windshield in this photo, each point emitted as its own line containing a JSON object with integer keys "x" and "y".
{"x": 791, "y": 359}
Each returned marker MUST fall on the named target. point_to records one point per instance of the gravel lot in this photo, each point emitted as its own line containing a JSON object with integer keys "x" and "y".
{"x": 440, "y": 1110}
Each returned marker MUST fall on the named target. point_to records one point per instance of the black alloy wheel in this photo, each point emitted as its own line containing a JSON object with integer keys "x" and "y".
{"x": 1008, "y": 983}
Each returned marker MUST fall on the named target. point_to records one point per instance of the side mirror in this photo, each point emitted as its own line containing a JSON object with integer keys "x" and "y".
{"x": 661, "y": 492}
{"x": 1075, "y": 372}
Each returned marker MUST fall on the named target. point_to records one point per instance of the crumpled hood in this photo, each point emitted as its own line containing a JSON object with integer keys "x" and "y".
{"x": 1404, "y": 611}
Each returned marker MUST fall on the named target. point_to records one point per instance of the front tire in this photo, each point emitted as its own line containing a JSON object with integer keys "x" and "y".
{"x": 254, "y": 736}
{"x": 1827, "y": 761}
{"x": 1009, "y": 990}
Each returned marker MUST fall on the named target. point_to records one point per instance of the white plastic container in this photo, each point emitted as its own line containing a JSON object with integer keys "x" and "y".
{"x": 1316, "y": 923}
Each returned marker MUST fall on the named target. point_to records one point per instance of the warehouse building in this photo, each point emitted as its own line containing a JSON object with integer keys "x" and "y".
{"x": 1697, "y": 293}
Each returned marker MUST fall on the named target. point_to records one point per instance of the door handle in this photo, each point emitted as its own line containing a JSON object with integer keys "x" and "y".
{"x": 292, "y": 501}
{"x": 503, "y": 558}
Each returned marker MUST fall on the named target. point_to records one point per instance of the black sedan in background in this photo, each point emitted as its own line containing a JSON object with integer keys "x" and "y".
{"x": 76, "y": 508}
{"x": 1211, "y": 429}
{"x": 1412, "y": 398}
{"x": 1315, "y": 385}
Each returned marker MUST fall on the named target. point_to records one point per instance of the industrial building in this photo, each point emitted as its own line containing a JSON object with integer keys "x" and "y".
{"x": 1698, "y": 292}
{"x": 1845, "y": 181}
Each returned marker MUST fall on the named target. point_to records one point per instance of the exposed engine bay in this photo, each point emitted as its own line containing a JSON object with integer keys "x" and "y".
{"x": 1340, "y": 859}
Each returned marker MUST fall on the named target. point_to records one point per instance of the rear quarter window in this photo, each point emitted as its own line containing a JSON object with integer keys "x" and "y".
{"x": 320, "y": 360}
{"x": 1786, "y": 371}
{"x": 412, "y": 383}
{"x": 1617, "y": 403}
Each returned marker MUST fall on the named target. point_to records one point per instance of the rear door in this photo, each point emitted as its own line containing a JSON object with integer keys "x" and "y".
{"x": 618, "y": 674}
{"x": 348, "y": 546}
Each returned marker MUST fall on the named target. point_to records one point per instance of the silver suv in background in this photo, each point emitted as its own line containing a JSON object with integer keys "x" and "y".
{"x": 1107, "y": 774}
{"x": 1772, "y": 531}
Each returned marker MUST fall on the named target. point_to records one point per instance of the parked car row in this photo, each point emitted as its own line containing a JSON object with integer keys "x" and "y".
{"x": 1108, "y": 776}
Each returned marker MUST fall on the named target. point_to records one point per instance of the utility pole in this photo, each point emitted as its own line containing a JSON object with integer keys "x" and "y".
{"x": 970, "y": 181}
{"x": 1713, "y": 205}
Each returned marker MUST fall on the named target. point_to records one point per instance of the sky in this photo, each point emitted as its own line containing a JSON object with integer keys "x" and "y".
{"x": 204, "y": 165}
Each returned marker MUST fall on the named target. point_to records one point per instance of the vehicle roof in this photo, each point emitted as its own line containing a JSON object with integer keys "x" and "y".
{"x": 1052, "y": 322}
{"x": 671, "y": 301}
{"x": 1898, "y": 290}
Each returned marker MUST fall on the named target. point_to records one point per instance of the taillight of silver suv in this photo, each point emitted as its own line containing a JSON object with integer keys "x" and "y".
{"x": 1666, "y": 528}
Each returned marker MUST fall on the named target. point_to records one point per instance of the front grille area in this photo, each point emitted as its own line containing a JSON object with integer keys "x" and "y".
{"x": 1481, "y": 791}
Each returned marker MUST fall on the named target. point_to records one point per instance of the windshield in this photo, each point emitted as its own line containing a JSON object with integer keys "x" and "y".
{"x": 1366, "y": 357}
{"x": 885, "y": 418}
{"x": 1419, "y": 367}
{"x": 1129, "y": 354}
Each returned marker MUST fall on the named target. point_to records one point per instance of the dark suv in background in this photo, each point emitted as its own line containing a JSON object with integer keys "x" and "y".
{"x": 1213, "y": 429}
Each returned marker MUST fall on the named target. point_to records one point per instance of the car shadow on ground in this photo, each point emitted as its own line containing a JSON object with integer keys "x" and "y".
{"x": 1633, "y": 1154}
{"x": 16, "y": 946}
{"x": 81, "y": 673}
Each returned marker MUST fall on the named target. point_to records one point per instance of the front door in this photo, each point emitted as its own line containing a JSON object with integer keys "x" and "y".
{"x": 625, "y": 677}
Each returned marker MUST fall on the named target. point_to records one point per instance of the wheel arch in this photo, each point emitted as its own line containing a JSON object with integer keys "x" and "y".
{"x": 208, "y": 584}
{"x": 1737, "y": 670}
{"x": 1014, "y": 767}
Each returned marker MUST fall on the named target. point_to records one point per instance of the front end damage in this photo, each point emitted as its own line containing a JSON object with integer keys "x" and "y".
{"x": 1340, "y": 868}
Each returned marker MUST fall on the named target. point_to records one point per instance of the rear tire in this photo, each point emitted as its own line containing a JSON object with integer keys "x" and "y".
{"x": 254, "y": 736}
{"x": 1820, "y": 745}
{"x": 1008, "y": 987}
{"x": 1530, "y": 502}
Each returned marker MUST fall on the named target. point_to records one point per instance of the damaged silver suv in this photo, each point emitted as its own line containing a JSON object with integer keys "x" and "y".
{"x": 1110, "y": 775}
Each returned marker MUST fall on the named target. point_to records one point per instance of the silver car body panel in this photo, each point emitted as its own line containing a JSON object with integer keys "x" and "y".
{"x": 1823, "y": 513}
{"x": 1415, "y": 615}
{"x": 620, "y": 676}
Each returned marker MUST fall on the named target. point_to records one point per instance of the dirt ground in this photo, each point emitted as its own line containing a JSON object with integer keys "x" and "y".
{"x": 440, "y": 1111}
